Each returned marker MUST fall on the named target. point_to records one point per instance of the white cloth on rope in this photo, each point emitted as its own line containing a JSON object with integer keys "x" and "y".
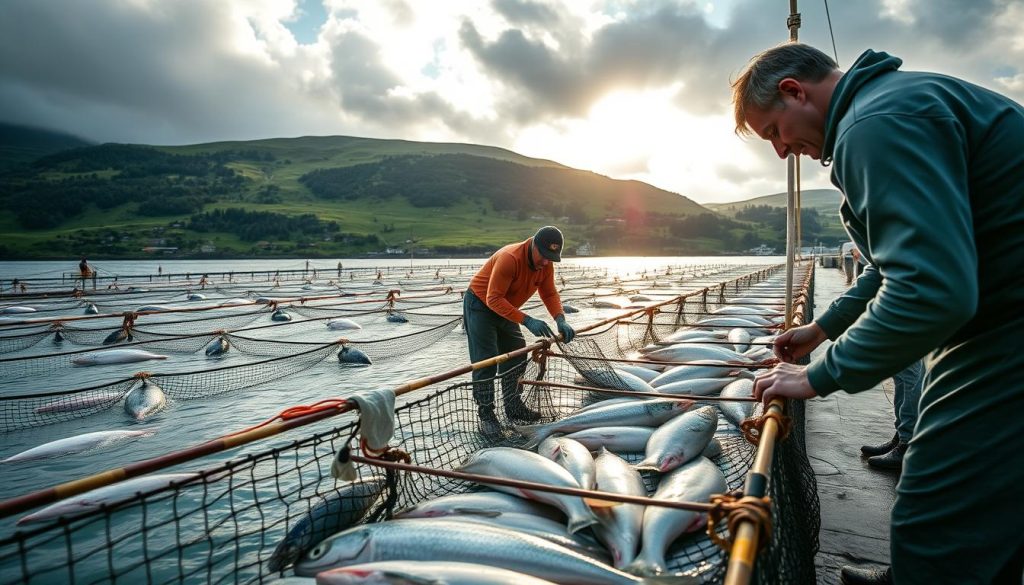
{"x": 376, "y": 427}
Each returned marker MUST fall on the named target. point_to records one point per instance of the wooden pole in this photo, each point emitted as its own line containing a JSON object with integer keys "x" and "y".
{"x": 745, "y": 541}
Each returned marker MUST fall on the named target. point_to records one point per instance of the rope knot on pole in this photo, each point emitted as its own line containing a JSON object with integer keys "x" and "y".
{"x": 753, "y": 427}
{"x": 388, "y": 454}
{"x": 735, "y": 508}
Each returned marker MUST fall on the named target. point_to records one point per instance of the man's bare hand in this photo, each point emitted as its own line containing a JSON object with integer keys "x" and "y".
{"x": 798, "y": 342}
{"x": 784, "y": 380}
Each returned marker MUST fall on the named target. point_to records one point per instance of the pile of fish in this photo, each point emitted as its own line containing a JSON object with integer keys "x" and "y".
{"x": 662, "y": 448}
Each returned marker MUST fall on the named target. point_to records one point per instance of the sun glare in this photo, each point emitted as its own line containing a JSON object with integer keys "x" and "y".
{"x": 645, "y": 135}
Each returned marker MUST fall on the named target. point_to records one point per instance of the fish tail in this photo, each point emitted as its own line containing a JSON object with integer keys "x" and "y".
{"x": 581, "y": 520}
{"x": 534, "y": 434}
{"x": 645, "y": 566}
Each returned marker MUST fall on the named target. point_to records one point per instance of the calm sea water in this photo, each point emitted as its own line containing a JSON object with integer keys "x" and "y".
{"x": 188, "y": 422}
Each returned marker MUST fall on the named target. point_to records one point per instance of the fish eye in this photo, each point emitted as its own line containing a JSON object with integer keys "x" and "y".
{"x": 318, "y": 551}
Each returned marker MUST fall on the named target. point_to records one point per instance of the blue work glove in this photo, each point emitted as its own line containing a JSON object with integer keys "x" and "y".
{"x": 565, "y": 329}
{"x": 538, "y": 327}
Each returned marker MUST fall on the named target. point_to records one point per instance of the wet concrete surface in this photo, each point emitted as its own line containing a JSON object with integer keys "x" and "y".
{"x": 855, "y": 499}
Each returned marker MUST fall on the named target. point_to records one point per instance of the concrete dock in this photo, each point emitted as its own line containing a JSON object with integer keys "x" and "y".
{"x": 855, "y": 499}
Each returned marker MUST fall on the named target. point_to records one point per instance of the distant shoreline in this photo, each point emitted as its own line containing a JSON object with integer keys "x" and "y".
{"x": 387, "y": 257}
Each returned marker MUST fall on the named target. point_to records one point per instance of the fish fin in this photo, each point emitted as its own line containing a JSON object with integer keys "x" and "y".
{"x": 646, "y": 466}
{"x": 406, "y": 579}
{"x": 598, "y": 503}
{"x": 580, "y": 522}
{"x": 534, "y": 434}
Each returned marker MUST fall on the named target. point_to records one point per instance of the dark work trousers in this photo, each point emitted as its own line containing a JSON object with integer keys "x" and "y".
{"x": 956, "y": 519}
{"x": 906, "y": 398}
{"x": 848, "y": 268}
{"x": 489, "y": 334}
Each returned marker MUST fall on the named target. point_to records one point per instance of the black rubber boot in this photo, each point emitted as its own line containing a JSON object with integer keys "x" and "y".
{"x": 864, "y": 576}
{"x": 883, "y": 448}
{"x": 517, "y": 410}
{"x": 891, "y": 460}
{"x": 489, "y": 425}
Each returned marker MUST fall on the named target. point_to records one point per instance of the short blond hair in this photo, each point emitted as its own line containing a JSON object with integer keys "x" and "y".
{"x": 758, "y": 84}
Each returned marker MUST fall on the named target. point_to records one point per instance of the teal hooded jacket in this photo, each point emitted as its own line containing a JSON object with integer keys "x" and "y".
{"x": 932, "y": 172}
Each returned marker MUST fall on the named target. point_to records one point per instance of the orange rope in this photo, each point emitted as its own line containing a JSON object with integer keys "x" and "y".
{"x": 297, "y": 411}
{"x": 739, "y": 508}
{"x": 752, "y": 428}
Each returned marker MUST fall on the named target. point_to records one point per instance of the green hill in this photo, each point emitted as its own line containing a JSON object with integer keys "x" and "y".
{"x": 820, "y": 223}
{"x": 336, "y": 196}
{"x": 20, "y": 145}
{"x": 826, "y": 201}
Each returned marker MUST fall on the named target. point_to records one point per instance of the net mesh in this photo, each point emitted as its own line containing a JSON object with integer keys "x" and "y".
{"x": 13, "y": 343}
{"x": 222, "y": 524}
{"x": 27, "y": 411}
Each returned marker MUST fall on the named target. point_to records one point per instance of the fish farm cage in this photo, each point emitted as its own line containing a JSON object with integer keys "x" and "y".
{"x": 222, "y": 521}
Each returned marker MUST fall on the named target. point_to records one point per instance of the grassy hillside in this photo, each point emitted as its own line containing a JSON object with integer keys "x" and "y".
{"x": 254, "y": 198}
{"x": 823, "y": 204}
{"x": 826, "y": 201}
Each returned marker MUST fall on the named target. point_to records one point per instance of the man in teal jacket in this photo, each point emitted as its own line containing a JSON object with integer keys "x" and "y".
{"x": 932, "y": 170}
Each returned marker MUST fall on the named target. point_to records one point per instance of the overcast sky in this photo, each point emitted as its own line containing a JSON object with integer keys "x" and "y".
{"x": 629, "y": 89}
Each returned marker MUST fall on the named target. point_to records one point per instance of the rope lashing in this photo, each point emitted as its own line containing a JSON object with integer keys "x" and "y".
{"x": 793, "y": 20}
{"x": 738, "y": 508}
{"x": 389, "y": 453}
{"x": 752, "y": 428}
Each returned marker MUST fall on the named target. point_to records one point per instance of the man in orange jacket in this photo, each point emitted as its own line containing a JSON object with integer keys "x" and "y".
{"x": 492, "y": 317}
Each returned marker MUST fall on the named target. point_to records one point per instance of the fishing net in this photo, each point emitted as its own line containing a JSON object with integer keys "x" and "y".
{"x": 223, "y": 523}
{"x": 287, "y": 358}
{"x": 327, "y": 311}
{"x": 98, "y": 335}
{"x": 20, "y": 341}
{"x": 42, "y": 408}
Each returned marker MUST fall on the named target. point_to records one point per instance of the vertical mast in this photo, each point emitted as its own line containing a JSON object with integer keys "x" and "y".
{"x": 745, "y": 542}
{"x": 792, "y": 182}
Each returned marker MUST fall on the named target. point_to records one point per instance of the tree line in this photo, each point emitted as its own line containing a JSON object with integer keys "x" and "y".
{"x": 252, "y": 226}
{"x": 61, "y": 186}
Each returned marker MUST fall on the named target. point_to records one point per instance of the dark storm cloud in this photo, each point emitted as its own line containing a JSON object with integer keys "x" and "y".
{"x": 364, "y": 87}
{"x": 159, "y": 73}
{"x": 661, "y": 43}
{"x": 525, "y": 12}
{"x": 653, "y": 47}
{"x": 528, "y": 67}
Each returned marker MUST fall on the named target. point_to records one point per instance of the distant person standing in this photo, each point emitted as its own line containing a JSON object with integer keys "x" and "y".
{"x": 85, "y": 271}
{"x": 491, "y": 315}
{"x": 858, "y": 262}
{"x": 846, "y": 253}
